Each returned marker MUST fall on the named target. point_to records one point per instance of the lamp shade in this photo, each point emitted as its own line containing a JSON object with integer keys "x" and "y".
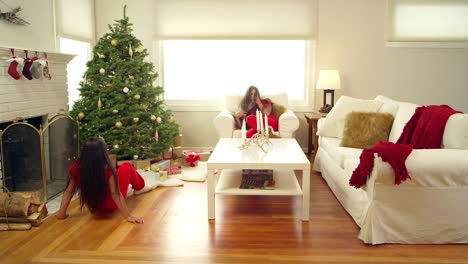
{"x": 329, "y": 80}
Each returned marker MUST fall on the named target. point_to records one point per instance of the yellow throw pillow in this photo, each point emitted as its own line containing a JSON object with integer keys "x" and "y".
{"x": 278, "y": 110}
{"x": 365, "y": 129}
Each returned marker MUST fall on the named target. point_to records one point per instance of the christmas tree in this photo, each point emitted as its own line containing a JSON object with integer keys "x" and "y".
{"x": 119, "y": 101}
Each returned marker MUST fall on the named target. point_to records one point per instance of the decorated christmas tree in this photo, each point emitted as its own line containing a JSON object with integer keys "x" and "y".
{"x": 119, "y": 101}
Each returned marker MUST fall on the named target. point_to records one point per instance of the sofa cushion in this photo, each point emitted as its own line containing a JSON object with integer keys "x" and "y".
{"x": 278, "y": 109}
{"x": 388, "y": 106}
{"x": 337, "y": 153}
{"x": 456, "y": 132}
{"x": 364, "y": 130}
{"x": 333, "y": 125}
{"x": 404, "y": 114}
{"x": 232, "y": 102}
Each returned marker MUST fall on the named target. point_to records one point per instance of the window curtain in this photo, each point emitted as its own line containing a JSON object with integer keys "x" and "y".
{"x": 75, "y": 19}
{"x": 428, "y": 20}
{"x": 231, "y": 19}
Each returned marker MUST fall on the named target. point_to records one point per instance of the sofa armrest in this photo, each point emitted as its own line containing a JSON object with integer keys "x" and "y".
{"x": 224, "y": 123}
{"x": 288, "y": 123}
{"x": 428, "y": 168}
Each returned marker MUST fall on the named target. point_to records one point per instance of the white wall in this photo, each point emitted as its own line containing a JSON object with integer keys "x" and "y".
{"x": 351, "y": 38}
{"x": 38, "y": 35}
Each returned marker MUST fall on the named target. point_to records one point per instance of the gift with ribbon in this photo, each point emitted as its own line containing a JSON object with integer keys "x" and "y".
{"x": 192, "y": 158}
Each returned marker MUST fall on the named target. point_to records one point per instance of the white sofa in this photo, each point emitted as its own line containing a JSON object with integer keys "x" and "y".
{"x": 225, "y": 124}
{"x": 429, "y": 208}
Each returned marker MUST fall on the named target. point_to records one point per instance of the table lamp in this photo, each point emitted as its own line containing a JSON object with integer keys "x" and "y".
{"x": 328, "y": 81}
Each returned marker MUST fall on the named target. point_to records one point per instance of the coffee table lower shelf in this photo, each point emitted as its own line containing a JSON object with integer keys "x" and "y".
{"x": 285, "y": 184}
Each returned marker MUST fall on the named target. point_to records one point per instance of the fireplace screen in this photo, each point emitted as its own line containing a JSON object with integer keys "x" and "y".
{"x": 38, "y": 160}
{"x": 22, "y": 167}
{"x": 60, "y": 149}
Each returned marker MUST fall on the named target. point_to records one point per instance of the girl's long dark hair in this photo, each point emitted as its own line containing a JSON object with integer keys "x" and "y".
{"x": 247, "y": 102}
{"x": 94, "y": 184}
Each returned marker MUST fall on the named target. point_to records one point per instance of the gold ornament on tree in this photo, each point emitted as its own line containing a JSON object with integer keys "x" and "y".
{"x": 114, "y": 42}
{"x": 136, "y": 119}
{"x": 99, "y": 104}
{"x": 153, "y": 117}
{"x": 156, "y": 136}
{"x": 137, "y": 97}
{"x": 81, "y": 115}
{"x": 135, "y": 157}
{"x": 118, "y": 124}
{"x": 140, "y": 48}
{"x": 130, "y": 51}
{"x": 116, "y": 146}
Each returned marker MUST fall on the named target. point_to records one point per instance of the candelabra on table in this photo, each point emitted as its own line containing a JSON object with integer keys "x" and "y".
{"x": 261, "y": 138}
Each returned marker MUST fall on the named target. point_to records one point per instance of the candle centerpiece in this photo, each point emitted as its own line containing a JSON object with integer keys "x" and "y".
{"x": 261, "y": 138}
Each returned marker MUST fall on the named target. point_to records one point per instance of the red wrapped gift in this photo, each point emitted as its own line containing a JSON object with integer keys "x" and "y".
{"x": 192, "y": 158}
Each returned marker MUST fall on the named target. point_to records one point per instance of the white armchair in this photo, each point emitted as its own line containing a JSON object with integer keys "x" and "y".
{"x": 224, "y": 122}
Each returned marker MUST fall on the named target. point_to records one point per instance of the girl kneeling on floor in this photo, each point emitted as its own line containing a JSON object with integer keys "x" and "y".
{"x": 102, "y": 188}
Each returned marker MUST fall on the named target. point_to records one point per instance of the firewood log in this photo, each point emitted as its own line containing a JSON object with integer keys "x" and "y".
{"x": 36, "y": 218}
{"x": 35, "y": 196}
{"x": 5, "y": 220}
{"x": 15, "y": 226}
{"x": 12, "y": 204}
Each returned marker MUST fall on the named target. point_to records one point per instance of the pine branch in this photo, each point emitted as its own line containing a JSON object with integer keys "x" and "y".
{"x": 12, "y": 18}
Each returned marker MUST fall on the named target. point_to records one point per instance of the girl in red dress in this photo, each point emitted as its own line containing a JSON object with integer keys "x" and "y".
{"x": 249, "y": 104}
{"x": 102, "y": 188}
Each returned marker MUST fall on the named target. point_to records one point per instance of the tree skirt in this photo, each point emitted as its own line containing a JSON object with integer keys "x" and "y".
{"x": 196, "y": 174}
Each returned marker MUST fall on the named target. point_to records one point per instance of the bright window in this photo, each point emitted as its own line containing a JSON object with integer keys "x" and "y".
{"x": 209, "y": 69}
{"x": 76, "y": 67}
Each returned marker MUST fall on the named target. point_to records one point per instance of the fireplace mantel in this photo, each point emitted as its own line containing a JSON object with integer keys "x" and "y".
{"x": 25, "y": 98}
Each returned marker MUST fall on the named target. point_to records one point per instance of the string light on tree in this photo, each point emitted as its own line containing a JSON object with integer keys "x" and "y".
{"x": 116, "y": 146}
{"x": 115, "y": 111}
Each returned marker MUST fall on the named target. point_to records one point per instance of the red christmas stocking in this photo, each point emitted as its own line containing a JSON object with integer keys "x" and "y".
{"x": 12, "y": 70}
{"x": 27, "y": 68}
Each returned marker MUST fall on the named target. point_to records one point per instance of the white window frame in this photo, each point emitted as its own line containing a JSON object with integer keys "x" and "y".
{"x": 90, "y": 52}
{"x": 218, "y": 105}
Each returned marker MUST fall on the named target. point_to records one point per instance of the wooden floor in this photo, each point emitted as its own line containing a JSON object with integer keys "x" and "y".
{"x": 247, "y": 229}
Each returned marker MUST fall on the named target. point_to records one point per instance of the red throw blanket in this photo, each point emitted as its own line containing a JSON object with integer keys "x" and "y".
{"x": 424, "y": 130}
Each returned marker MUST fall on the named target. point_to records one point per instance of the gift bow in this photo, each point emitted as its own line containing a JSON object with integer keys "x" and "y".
{"x": 192, "y": 157}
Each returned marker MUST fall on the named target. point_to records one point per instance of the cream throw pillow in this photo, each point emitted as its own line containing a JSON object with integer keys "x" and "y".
{"x": 333, "y": 124}
{"x": 364, "y": 130}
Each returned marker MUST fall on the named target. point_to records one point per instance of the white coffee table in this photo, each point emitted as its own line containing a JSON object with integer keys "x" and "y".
{"x": 285, "y": 156}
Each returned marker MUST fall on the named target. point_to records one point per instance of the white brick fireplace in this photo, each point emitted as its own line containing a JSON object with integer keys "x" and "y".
{"x": 25, "y": 98}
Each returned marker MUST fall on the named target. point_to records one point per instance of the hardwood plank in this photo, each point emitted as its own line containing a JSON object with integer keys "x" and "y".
{"x": 247, "y": 229}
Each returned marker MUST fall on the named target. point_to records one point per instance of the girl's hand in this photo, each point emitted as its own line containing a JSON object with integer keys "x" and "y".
{"x": 60, "y": 216}
{"x": 135, "y": 219}
{"x": 241, "y": 114}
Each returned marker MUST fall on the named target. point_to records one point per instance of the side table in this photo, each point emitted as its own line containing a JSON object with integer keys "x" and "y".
{"x": 312, "y": 120}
